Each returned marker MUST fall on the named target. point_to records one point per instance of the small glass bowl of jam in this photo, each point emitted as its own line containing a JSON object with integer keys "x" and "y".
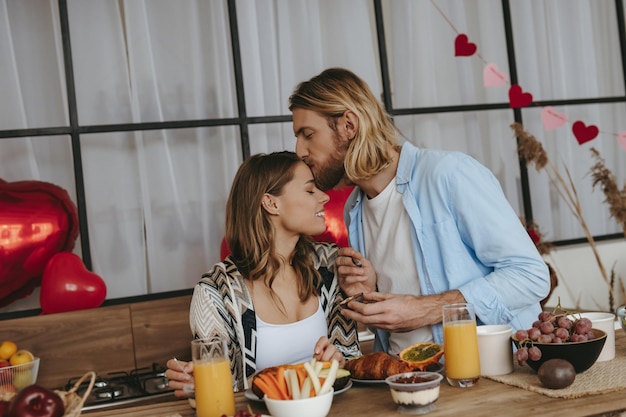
{"x": 415, "y": 392}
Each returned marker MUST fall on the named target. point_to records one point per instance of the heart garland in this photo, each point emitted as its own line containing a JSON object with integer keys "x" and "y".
{"x": 463, "y": 47}
{"x": 551, "y": 119}
{"x": 492, "y": 77}
{"x": 584, "y": 133}
{"x": 518, "y": 98}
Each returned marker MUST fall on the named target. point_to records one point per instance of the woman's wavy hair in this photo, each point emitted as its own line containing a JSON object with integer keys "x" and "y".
{"x": 336, "y": 90}
{"x": 250, "y": 234}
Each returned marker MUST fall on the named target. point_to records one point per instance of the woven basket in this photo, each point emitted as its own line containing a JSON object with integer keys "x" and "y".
{"x": 74, "y": 402}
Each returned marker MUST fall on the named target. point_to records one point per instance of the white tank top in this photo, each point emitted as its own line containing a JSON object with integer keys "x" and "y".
{"x": 387, "y": 236}
{"x": 278, "y": 344}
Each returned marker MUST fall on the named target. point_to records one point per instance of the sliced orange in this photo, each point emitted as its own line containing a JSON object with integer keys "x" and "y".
{"x": 420, "y": 355}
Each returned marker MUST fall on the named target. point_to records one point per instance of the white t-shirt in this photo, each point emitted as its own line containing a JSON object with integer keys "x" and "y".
{"x": 278, "y": 344}
{"x": 387, "y": 235}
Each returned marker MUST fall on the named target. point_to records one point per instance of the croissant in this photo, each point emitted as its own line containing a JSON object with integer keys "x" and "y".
{"x": 377, "y": 365}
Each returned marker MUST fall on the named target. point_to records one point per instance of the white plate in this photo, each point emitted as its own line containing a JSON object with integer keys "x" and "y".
{"x": 252, "y": 396}
{"x": 368, "y": 381}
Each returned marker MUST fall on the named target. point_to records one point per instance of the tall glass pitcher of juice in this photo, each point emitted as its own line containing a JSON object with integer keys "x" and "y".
{"x": 460, "y": 345}
{"x": 212, "y": 378}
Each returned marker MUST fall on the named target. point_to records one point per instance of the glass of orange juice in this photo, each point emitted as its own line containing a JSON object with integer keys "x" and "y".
{"x": 212, "y": 378}
{"x": 460, "y": 345}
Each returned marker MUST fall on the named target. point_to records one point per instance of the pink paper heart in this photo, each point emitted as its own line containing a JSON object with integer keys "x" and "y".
{"x": 621, "y": 139}
{"x": 583, "y": 132}
{"x": 551, "y": 119}
{"x": 463, "y": 47}
{"x": 492, "y": 77}
{"x": 517, "y": 98}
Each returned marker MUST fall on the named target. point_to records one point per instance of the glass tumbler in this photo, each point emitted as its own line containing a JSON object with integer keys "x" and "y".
{"x": 460, "y": 345}
{"x": 212, "y": 378}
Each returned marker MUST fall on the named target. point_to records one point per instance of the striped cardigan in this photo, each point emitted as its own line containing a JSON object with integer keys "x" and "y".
{"x": 222, "y": 306}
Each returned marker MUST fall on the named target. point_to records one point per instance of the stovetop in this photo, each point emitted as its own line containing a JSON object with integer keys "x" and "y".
{"x": 119, "y": 388}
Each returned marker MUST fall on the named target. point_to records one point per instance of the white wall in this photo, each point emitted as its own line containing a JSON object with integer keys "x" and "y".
{"x": 580, "y": 282}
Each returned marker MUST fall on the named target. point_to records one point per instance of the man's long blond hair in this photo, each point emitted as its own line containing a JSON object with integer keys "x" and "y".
{"x": 331, "y": 94}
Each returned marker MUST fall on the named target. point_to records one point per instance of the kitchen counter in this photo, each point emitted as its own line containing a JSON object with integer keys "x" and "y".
{"x": 487, "y": 398}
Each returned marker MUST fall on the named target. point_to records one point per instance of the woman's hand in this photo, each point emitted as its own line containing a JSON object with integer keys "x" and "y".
{"x": 326, "y": 352}
{"x": 180, "y": 377}
{"x": 353, "y": 278}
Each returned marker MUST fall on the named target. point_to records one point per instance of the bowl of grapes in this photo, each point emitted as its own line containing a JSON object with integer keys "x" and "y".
{"x": 559, "y": 334}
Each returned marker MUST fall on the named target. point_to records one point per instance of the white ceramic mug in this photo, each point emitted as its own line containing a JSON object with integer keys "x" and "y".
{"x": 495, "y": 349}
{"x": 605, "y": 322}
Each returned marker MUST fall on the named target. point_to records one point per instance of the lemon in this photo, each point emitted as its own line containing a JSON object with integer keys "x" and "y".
{"x": 420, "y": 355}
{"x": 21, "y": 357}
{"x": 7, "y": 349}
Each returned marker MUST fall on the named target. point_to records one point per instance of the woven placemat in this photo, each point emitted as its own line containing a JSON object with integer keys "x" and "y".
{"x": 601, "y": 378}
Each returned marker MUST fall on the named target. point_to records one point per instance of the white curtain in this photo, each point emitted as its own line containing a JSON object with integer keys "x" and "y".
{"x": 155, "y": 198}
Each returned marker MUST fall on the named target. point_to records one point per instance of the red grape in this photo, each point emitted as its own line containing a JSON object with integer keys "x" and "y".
{"x": 521, "y": 334}
{"x": 583, "y": 326}
{"x": 546, "y": 327}
{"x": 546, "y": 316}
{"x": 561, "y": 333}
{"x": 534, "y": 333}
{"x": 565, "y": 322}
{"x": 522, "y": 355}
{"x": 534, "y": 353}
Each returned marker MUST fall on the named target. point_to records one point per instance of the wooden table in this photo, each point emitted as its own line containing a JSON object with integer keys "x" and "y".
{"x": 487, "y": 398}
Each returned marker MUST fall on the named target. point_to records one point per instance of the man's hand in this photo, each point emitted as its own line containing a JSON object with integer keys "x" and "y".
{"x": 399, "y": 312}
{"x": 354, "y": 279}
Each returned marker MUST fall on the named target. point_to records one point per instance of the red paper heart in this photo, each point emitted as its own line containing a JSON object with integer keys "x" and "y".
{"x": 37, "y": 220}
{"x": 462, "y": 46}
{"x": 67, "y": 285}
{"x": 517, "y": 98}
{"x": 584, "y": 133}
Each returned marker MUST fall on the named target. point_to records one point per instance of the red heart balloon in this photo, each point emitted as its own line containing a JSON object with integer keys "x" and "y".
{"x": 463, "y": 47}
{"x": 336, "y": 231}
{"x": 67, "y": 285}
{"x": 517, "y": 98}
{"x": 584, "y": 133}
{"x": 37, "y": 220}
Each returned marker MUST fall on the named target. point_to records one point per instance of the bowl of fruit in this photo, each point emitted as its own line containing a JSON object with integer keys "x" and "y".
{"x": 559, "y": 335}
{"x": 18, "y": 368}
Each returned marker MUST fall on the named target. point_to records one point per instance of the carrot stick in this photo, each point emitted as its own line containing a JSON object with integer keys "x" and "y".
{"x": 273, "y": 385}
{"x": 282, "y": 381}
{"x": 266, "y": 388}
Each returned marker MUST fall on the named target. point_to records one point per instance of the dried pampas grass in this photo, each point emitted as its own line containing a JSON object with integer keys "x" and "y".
{"x": 615, "y": 198}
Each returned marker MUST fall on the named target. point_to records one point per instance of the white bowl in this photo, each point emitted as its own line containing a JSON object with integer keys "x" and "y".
{"x": 318, "y": 406}
{"x": 415, "y": 397}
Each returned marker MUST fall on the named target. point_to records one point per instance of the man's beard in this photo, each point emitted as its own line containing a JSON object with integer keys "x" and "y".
{"x": 328, "y": 175}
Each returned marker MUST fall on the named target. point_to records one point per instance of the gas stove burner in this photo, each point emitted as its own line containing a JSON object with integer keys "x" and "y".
{"x": 118, "y": 388}
{"x": 108, "y": 393}
{"x": 155, "y": 384}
